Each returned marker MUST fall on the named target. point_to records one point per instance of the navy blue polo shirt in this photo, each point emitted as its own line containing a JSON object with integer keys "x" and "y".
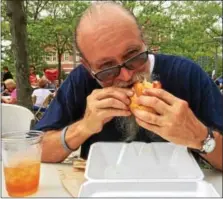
{"x": 178, "y": 75}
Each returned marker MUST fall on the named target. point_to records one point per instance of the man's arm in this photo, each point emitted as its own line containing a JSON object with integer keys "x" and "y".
{"x": 9, "y": 101}
{"x": 53, "y": 150}
{"x": 102, "y": 106}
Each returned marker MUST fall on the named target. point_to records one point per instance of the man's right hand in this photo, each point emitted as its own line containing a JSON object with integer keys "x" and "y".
{"x": 105, "y": 104}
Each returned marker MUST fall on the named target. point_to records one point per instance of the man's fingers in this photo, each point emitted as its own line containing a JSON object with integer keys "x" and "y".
{"x": 111, "y": 103}
{"x": 158, "y": 105}
{"x": 150, "y": 127}
{"x": 161, "y": 94}
{"x": 106, "y": 113}
{"x": 148, "y": 117}
{"x": 117, "y": 93}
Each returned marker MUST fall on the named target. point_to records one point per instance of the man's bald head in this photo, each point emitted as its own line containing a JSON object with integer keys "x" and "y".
{"x": 102, "y": 15}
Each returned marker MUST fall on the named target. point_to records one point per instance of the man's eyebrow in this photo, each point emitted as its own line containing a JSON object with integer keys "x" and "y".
{"x": 130, "y": 50}
{"x": 103, "y": 60}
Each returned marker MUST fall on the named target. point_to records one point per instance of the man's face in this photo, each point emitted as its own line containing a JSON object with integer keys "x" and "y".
{"x": 108, "y": 44}
{"x": 112, "y": 45}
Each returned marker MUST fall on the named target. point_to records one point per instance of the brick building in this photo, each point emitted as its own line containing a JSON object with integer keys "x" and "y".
{"x": 67, "y": 61}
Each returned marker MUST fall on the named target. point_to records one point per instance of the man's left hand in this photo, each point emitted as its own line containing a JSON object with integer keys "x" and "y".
{"x": 174, "y": 120}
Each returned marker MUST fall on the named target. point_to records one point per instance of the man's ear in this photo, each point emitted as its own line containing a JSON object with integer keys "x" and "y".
{"x": 86, "y": 65}
{"x": 84, "y": 62}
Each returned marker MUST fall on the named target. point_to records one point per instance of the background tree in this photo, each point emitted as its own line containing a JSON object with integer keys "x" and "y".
{"x": 185, "y": 28}
{"x": 17, "y": 16}
{"x": 59, "y": 25}
{"x": 35, "y": 42}
{"x": 36, "y": 38}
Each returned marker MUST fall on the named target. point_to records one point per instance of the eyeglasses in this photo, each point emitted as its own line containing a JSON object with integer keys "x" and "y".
{"x": 130, "y": 64}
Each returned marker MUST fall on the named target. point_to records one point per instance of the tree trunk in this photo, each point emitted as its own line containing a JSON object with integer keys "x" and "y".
{"x": 15, "y": 11}
{"x": 59, "y": 55}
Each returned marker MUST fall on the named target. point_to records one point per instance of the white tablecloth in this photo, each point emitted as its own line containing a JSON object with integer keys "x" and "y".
{"x": 51, "y": 186}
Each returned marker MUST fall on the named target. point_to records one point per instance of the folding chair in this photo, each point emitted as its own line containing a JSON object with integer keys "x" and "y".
{"x": 33, "y": 99}
{"x": 41, "y": 110}
{"x": 15, "y": 118}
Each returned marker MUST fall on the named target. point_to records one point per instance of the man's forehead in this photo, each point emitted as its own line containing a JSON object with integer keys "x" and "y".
{"x": 91, "y": 27}
{"x": 100, "y": 20}
{"x": 110, "y": 37}
{"x": 129, "y": 48}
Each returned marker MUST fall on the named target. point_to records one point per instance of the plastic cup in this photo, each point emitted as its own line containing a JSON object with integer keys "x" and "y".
{"x": 21, "y": 155}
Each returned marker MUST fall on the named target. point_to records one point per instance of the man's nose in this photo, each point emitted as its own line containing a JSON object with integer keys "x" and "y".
{"x": 125, "y": 74}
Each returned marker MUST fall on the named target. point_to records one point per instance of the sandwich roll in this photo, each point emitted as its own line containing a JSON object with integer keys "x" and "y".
{"x": 138, "y": 88}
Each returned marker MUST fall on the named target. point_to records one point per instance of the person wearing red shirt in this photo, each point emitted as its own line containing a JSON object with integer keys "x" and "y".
{"x": 33, "y": 77}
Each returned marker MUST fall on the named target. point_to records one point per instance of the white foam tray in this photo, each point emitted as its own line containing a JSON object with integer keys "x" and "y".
{"x": 142, "y": 162}
{"x": 143, "y": 170}
{"x": 147, "y": 189}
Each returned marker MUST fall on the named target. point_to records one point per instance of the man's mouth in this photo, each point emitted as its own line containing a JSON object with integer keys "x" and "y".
{"x": 130, "y": 85}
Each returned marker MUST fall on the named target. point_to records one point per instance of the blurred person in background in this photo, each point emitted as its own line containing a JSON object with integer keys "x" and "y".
{"x": 6, "y": 74}
{"x": 50, "y": 74}
{"x": 2, "y": 87}
{"x": 33, "y": 77}
{"x": 11, "y": 87}
{"x": 41, "y": 93}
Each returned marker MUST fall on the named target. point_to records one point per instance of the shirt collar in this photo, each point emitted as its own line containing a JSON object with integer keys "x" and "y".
{"x": 152, "y": 63}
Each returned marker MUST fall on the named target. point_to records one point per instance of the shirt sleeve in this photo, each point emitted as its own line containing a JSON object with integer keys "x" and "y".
{"x": 212, "y": 106}
{"x": 206, "y": 98}
{"x": 61, "y": 110}
{"x": 188, "y": 81}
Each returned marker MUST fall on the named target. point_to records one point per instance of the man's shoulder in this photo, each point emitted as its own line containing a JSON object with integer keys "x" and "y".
{"x": 79, "y": 79}
{"x": 175, "y": 65}
{"x": 79, "y": 71}
{"x": 179, "y": 75}
{"x": 176, "y": 60}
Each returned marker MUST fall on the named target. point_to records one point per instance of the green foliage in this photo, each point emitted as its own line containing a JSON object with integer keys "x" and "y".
{"x": 6, "y": 52}
{"x": 59, "y": 26}
{"x": 53, "y": 30}
{"x": 185, "y": 28}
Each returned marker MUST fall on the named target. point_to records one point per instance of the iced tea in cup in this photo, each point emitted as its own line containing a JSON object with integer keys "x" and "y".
{"x": 21, "y": 155}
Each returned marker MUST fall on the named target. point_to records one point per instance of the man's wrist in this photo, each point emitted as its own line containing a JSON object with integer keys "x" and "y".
{"x": 78, "y": 129}
{"x": 201, "y": 135}
{"x": 63, "y": 140}
{"x": 73, "y": 135}
{"x": 84, "y": 129}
